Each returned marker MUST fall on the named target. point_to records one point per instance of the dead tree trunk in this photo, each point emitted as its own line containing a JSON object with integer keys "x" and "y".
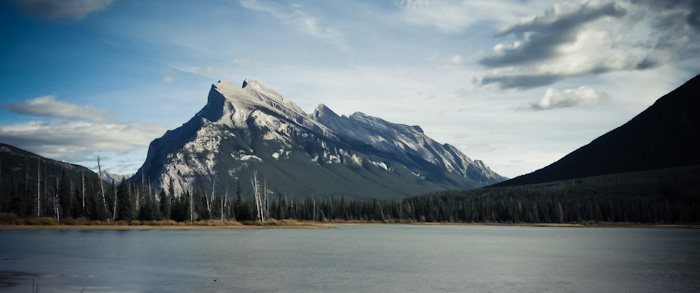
{"x": 38, "y": 188}
{"x": 266, "y": 205}
{"x": 258, "y": 199}
{"x": 192, "y": 207}
{"x": 82, "y": 179}
{"x": 114, "y": 212}
{"x": 102, "y": 187}
{"x": 210, "y": 201}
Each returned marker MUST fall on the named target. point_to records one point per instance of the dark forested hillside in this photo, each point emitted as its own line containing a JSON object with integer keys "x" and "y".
{"x": 656, "y": 196}
{"x": 665, "y": 135}
{"x": 32, "y": 185}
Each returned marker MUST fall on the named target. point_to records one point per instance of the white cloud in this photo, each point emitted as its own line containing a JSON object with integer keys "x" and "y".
{"x": 206, "y": 71}
{"x": 241, "y": 62}
{"x": 554, "y": 99}
{"x": 453, "y": 16}
{"x": 91, "y": 130}
{"x": 61, "y": 9}
{"x": 168, "y": 79}
{"x": 48, "y": 106}
{"x": 589, "y": 38}
{"x": 74, "y": 141}
{"x": 456, "y": 59}
{"x": 300, "y": 19}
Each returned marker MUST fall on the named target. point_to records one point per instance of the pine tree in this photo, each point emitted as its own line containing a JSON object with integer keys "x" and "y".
{"x": 65, "y": 197}
{"x": 148, "y": 210}
{"x": 164, "y": 205}
{"x": 125, "y": 206}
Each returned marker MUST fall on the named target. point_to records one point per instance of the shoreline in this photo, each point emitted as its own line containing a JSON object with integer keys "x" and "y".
{"x": 150, "y": 227}
{"x": 548, "y": 225}
{"x": 323, "y": 225}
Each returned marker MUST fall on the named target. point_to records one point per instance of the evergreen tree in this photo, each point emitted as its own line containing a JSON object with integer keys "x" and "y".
{"x": 164, "y": 205}
{"x": 77, "y": 204}
{"x": 125, "y": 206}
{"x": 110, "y": 198}
{"x": 148, "y": 210}
{"x": 65, "y": 197}
{"x": 179, "y": 210}
{"x": 17, "y": 200}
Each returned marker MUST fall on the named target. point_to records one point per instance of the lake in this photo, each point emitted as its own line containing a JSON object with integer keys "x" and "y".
{"x": 362, "y": 258}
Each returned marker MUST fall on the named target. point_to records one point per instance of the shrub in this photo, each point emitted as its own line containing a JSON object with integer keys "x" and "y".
{"x": 42, "y": 221}
{"x": 121, "y": 223}
{"x": 77, "y": 221}
{"x": 7, "y": 218}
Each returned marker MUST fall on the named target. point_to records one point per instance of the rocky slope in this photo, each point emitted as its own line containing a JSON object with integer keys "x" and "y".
{"x": 252, "y": 129}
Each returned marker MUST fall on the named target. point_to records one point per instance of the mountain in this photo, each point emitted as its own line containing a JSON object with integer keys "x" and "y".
{"x": 19, "y": 167}
{"x": 251, "y": 129}
{"x": 665, "y": 135}
{"x": 20, "y": 177}
{"x": 114, "y": 178}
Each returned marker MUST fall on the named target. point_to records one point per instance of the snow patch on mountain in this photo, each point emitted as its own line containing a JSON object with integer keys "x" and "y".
{"x": 241, "y": 126}
{"x": 114, "y": 178}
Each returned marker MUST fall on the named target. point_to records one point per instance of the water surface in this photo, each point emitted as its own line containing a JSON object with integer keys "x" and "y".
{"x": 365, "y": 258}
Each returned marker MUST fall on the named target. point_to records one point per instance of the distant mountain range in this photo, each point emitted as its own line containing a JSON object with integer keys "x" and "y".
{"x": 251, "y": 129}
{"x": 114, "y": 178}
{"x": 665, "y": 135}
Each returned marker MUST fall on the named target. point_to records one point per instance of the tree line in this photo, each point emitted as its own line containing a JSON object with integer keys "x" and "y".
{"x": 567, "y": 202}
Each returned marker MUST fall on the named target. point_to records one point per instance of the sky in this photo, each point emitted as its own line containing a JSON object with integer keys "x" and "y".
{"x": 516, "y": 84}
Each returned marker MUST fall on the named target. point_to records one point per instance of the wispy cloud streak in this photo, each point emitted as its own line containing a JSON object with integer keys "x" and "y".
{"x": 61, "y": 9}
{"x": 48, "y": 106}
{"x": 297, "y": 17}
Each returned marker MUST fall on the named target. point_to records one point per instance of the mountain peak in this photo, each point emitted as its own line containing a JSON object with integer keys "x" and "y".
{"x": 254, "y": 86}
{"x": 227, "y": 88}
{"x": 250, "y": 82}
{"x": 323, "y": 111}
{"x": 269, "y": 96}
{"x": 250, "y": 128}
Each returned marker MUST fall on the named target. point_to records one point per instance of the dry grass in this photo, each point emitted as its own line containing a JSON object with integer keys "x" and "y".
{"x": 12, "y": 222}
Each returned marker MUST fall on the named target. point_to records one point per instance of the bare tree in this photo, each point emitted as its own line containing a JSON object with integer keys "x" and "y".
{"x": 57, "y": 205}
{"x": 192, "y": 207}
{"x": 82, "y": 179}
{"x": 258, "y": 198}
{"x": 209, "y": 202}
{"x": 38, "y": 188}
{"x": 46, "y": 189}
{"x": 114, "y": 212}
{"x": 266, "y": 204}
{"x": 223, "y": 204}
{"x": 102, "y": 187}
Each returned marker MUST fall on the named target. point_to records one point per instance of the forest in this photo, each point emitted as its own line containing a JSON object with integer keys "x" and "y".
{"x": 661, "y": 197}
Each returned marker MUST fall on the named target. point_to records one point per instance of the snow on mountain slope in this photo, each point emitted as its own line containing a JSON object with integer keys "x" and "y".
{"x": 405, "y": 143}
{"x": 114, "y": 178}
{"x": 253, "y": 128}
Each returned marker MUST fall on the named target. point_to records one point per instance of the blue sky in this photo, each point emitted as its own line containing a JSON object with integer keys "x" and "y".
{"x": 517, "y": 84}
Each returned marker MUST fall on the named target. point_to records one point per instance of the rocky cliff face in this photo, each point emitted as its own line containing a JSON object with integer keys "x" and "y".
{"x": 252, "y": 128}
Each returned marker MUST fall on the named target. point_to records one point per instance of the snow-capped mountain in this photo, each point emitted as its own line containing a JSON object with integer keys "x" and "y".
{"x": 114, "y": 178}
{"x": 252, "y": 128}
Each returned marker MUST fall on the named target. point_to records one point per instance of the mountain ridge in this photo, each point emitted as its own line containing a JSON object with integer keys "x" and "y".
{"x": 253, "y": 128}
{"x": 665, "y": 135}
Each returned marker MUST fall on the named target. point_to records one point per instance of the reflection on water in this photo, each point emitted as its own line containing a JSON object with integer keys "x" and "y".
{"x": 394, "y": 258}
